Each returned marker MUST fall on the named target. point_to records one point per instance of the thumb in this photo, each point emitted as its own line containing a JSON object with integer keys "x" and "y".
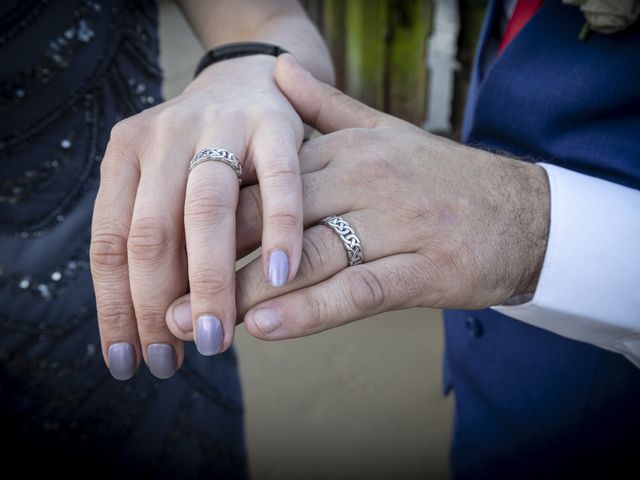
{"x": 323, "y": 107}
{"x": 178, "y": 318}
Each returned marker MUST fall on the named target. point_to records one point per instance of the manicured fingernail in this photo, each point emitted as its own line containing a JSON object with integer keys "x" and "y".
{"x": 162, "y": 360}
{"x": 267, "y": 319}
{"x": 122, "y": 361}
{"x": 209, "y": 335}
{"x": 182, "y": 316}
{"x": 278, "y": 268}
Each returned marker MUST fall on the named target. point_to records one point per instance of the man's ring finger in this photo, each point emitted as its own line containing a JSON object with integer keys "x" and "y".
{"x": 348, "y": 237}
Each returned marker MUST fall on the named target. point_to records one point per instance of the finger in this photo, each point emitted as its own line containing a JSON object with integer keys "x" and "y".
{"x": 179, "y": 318}
{"x": 157, "y": 260}
{"x": 357, "y": 292}
{"x": 209, "y": 219}
{"x": 119, "y": 177}
{"x": 322, "y": 106}
{"x": 324, "y": 192}
{"x": 323, "y": 255}
{"x": 249, "y": 215}
{"x": 275, "y": 156}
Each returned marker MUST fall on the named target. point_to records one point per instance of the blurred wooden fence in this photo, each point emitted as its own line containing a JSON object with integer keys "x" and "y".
{"x": 379, "y": 49}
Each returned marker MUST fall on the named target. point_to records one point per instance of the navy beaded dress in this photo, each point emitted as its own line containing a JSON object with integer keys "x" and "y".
{"x": 69, "y": 70}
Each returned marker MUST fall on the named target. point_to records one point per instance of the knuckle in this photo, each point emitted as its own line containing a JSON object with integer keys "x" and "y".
{"x": 450, "y": 259}
{"x": 113, "y": 314}
{"x": 381, "y": 167}
{"x": 365, "y": 290}
{"x": 359, "y": 137}
{"x": 333, "y": 97}
{"x": 266, "y": 109}
{"x": 129, "y": 138}
{"x": 284, "y": 218}
{"x": 107, "y": 249}
{"x": 213, "y": 112}
{"x": 148, "y": 239}
{"x": 120, "y": 131}
{"x": 318, "y": 318}
{"x": 170, "y": 116}
{"x": 284, "y": 175}
{"x": 436, "y": 287}
{"x": 374, "y": 121}
{"x": 125, "y": 131}
{"x": 313, "y": 261}
{"x": 151, "y": 322}
{"x": 350, "y": 137}
{"x": 207, "y": 283}
{"x": 118, "y": 151}
{"x": 255, "y": 111}
{"x": 374, "y": 171}
{"x": 207, "y": 205}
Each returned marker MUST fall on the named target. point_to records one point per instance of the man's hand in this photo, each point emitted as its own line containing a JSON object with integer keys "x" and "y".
{"x": 441, "y": 225}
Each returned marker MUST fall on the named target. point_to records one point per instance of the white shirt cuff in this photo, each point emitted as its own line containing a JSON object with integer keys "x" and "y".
{"x": 589, "y": 287}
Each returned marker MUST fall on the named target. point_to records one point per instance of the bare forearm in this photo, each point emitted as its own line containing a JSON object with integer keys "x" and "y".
{"x": 281, "y": 22}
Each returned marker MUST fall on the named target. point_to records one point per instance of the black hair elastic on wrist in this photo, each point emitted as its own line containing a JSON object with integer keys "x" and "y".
{"x": 234, "y": 50}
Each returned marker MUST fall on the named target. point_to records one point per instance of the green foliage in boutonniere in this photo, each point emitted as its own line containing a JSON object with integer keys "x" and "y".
{"x": 606, "y": 16}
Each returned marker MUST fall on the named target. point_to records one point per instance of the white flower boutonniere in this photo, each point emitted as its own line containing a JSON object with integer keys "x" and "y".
{"x": 606, "y": 16}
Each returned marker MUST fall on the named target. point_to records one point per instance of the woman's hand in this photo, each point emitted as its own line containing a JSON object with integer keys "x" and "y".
{"x": 440, "y": 224}
{"x": 158, "y": 232}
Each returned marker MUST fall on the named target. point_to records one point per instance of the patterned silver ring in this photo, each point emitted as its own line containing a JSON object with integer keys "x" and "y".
{"x": 348, "y": 236}
{"x": 217, "y": 155}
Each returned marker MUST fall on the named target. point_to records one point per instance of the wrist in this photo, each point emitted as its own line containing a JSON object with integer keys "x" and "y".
{"x": 528, "y": 214}
{"x": 511, "y": 225}
{"x": 256, "y": 70}
{"x": 237, "y": 50}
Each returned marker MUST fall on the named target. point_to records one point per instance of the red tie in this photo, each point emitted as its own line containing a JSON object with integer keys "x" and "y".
{"x": 525, "y": 9}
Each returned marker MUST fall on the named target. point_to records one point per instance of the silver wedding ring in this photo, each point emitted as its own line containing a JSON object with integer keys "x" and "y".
{"x": 348, "y": 237}
{"x": 217, "y": 155}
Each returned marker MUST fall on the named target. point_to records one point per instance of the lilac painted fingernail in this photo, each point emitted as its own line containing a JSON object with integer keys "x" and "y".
{"x": 209, "y": 335}
{"x": 122, "y": 361}
{"x": 267, "y": 319}
{"x": 182, "y": 316}
{"x": 278, "y": 268}
{"x": 162, "y": 360}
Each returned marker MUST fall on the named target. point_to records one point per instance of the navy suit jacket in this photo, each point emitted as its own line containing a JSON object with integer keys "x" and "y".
{"x": 530, "y": 403}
